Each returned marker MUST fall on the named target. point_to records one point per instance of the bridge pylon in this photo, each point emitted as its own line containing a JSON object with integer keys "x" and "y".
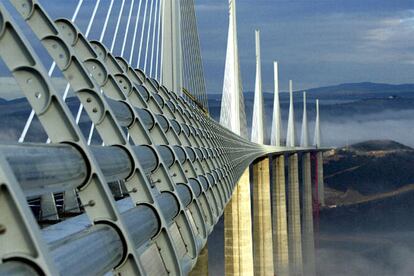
{"x": 308, "y": 241}
{"x": 319, "y": 157}
{"x": 238, "y": 251}
{"x": 294, "y": 213}
{"x": 262, "y": 213}
{"x": 171, "y": 68}
{"x": 279, "y": 216}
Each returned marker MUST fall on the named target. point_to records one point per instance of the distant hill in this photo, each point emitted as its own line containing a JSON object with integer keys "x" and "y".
{"x": 354, "y": 102}
{"x": 350, "y": 89}
{"x": 363, "y": 87}
{"x": 378, "y": 145}
{"x": 370, "y": 168}
{"x": 369, "y": 188}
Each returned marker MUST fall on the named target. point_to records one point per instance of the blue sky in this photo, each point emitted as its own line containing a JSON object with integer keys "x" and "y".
{"x": 317, "y": 42}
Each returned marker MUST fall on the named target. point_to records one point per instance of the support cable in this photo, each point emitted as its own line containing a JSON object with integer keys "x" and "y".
{"x": 185, "y": 46}
{"x": 121, "y": 11}
{"x": 101, "y": 38}
{"x": 188, "y": 55}
{"x": 192, "y": 54}
{"x": 148, "y": 37}
{"x": 142, "y": 33}
{"x": 199, "y": 60}
{"x": 127, "y": 27}
{"x": 135, "y": 33}
{"x": 162, "y": 41}
{"x": 157, "y": 56}
{"x": 153, "y": 38}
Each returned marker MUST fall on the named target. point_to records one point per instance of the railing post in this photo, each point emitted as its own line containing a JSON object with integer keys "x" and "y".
{"x": 48, "y": 209}
{"x": 70, "y": 202}
{"x": 280, "y": 232}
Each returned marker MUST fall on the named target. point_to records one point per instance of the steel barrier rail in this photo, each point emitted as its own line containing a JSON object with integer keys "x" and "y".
{"x": 184, "y": 178}
{"x": 60, "y": 127}
{"x": 96, "y": 80}
{"x": 45, "y": 168}
{"x": 52, "y": 168}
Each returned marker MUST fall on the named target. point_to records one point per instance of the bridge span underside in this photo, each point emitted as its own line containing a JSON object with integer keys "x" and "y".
{"x": 175, "y": 168}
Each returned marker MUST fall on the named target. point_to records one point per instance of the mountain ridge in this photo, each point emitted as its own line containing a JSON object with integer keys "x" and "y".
{"x": 348, "y": 87}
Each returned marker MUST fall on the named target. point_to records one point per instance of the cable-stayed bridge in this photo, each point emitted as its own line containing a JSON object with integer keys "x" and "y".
{"x": 138, "y": 190}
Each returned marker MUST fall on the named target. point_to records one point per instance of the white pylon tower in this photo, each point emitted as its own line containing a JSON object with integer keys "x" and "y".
{"x": 317, "y": 137}
{"x": 304, "y": 139}
{"x": 280, "y": 231}
{"x": 262, "y": 215}
{"x": 308, "y": 246}
{"x": 294, "y": 212}
{"x": 171, "y": 46}
{"x": 276, "y": 133}
{"x": 291, "y": 133}
{"x": 238, "y": 243}
{"x": 319, "y": 156}
{"x": 232, "y": 114}
{"x": 258, "y": 116}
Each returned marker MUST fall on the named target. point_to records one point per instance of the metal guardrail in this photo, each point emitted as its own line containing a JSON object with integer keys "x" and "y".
{"x": 179, "y": 170}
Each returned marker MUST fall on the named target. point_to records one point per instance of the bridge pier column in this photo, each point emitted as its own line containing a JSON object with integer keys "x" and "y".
{"x": 201, "y": 268}
{"x": 321, "y": 184}
{"x": 231, "y": 236}
{"x": 280, "y": 232}
{"x": 294, "y": 225}
{"x": 308, "y": 234}
{"x": 262, "y": 219}
{"x": 238, "y": 244}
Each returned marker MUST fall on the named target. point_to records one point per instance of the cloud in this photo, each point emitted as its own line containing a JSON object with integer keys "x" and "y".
{"x": 394, "y": 259}
{"x": 388, "y": 125}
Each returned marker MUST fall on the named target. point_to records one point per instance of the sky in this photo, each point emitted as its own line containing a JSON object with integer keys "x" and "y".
{"x": 316, "y": 42}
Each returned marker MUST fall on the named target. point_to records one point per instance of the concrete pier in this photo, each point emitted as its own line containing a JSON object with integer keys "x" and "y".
{"x": 231, "y": 236}
{"x": 321, "y": 184}
{"x": 262, "y": 219}
{"x": 280, "y": 232}
{"x": 294, "y": 225}
{"x": 238, "y": 243}
{"x": 308, "y": 241}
